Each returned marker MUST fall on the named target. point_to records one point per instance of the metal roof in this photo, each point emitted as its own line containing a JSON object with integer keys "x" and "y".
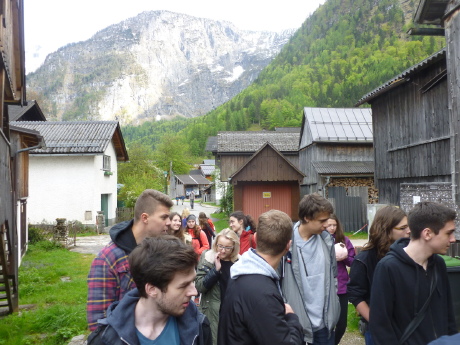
{"x": 193, "y": 180}
{"x": 89, "y": 137}
{"x": 207, "y": 169}
{"x": 250, "y": 142}
{"x": 430, "y": 11}
{"x": 337, "y": 125}
{"x": 403, "y": 77}
{"x": 348, "y": 167}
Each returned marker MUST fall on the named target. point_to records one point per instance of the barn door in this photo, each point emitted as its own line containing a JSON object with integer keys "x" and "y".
{"x": 349, "y": 209}
{"x": 261, "y": 198}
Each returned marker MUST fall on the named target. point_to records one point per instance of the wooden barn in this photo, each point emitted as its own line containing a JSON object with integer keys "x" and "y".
{"x": 411, "y": 126}
{"x": 14, "y": 143}
{"x": 336, "y": 155}
{"x": 263, "y": 169}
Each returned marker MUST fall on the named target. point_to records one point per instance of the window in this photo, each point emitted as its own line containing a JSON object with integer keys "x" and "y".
{"x": 106, "y": 164}
{"x": 88, "y": 215}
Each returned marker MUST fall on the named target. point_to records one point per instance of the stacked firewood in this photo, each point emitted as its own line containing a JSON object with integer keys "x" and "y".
{"x": 373, "y": 193}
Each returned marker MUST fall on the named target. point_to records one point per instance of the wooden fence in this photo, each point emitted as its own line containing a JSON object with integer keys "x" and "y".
{"x": 124, "y": 213}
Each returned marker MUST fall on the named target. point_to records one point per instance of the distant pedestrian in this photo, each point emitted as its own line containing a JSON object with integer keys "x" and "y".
{"x": 253, "y": 310}
{"x": 344, "y": 254}
{"x": 245, "y": 228}
{"x": 192, "y": 199}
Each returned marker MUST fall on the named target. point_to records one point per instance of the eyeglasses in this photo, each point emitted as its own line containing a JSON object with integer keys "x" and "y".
{"x": 224, "y": 248}
{"x": 404, "y": 227}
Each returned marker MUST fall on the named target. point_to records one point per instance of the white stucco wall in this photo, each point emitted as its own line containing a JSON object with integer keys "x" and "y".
{"x": 65, "y": 186}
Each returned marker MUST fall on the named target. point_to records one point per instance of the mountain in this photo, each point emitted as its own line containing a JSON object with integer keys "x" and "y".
{"x": 157, "y": 64}
{"x": 344, "y": 50}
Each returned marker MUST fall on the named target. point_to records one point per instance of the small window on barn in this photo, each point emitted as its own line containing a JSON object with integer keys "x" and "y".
{"x": 88, "y": 215}
{"x": 106, "y": 164}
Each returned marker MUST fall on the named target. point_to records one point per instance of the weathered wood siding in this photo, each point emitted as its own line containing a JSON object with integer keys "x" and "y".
{"x": 229, "y": 164}
{"x": 452, "y": 29}
{"x": 411, "y": 134}
{"x": 331, "y": 153}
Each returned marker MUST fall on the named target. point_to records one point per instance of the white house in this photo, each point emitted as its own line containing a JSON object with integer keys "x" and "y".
{"x": 75, "y": 174}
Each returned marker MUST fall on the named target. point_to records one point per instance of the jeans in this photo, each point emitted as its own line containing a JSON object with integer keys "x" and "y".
{"x": 322, "y": 337}
{"x": 368, "y": 338}
{"x": 192, "y": 201}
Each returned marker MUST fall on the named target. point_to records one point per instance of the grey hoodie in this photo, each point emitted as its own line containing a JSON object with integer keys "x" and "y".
{"x": 252, "y": 263}
{"x": 291, "y": 284}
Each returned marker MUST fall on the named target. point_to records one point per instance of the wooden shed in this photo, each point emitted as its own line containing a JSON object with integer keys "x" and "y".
{"x": 267, "y": 181}
{"x": 411, "y": 128}
{"x": 336, "y": 155}
{"x": 263, "y": 168}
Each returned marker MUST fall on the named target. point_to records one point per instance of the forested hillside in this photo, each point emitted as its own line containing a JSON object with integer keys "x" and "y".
{"x": 343, "y": 51}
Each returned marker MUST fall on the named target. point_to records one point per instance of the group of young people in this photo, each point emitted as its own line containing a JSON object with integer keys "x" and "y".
{"x": 281, "y": 284}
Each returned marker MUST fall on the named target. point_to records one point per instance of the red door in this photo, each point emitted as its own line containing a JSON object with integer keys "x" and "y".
{"x": 261, "y": 198}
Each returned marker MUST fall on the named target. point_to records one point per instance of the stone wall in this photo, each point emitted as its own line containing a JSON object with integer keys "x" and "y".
{"x": 441, "y": 192}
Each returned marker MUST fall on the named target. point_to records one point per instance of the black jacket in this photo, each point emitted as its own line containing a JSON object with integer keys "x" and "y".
{"x": 399, "y": 290}
{"x": 253, "y": 311}
{"x": 361, "y": 275}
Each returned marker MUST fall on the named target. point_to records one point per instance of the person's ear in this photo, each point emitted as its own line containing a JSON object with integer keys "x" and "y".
{"x": 144, "y": 217}
{"x": 151, "y": 290}
{"x": 427, "y": 234}
{"x": 255, "y": 238}
{"x": 288, "y": 246}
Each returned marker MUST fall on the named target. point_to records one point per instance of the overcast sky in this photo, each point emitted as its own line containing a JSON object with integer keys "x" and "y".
{"x": 50, "y": 24}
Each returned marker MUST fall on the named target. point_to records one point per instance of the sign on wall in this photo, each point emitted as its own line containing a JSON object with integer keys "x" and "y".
{"x": 266, "y": 195}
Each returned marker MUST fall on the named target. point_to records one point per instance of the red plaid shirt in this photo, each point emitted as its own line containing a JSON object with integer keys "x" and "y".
{"x": 109, "y": 279}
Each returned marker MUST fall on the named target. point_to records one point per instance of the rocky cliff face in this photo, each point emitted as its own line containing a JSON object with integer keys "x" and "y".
{"x": 156, "y": 64}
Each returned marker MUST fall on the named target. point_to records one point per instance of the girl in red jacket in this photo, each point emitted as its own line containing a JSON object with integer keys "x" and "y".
{"x": 245, "y": 228}
{"x": 199, "y": 240}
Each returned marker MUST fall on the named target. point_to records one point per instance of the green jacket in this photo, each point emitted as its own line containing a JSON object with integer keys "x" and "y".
{"x": 207, "y": 283}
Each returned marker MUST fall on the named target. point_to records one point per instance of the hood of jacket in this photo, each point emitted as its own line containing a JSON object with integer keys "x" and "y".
{"x": 122, "y": 235}
{"x": 120, "y": 315}
{"x": 252, "y": 263}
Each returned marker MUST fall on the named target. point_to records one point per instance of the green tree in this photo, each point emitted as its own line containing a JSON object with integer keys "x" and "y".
{"x": 138, "y": 174}
{"x": 173, "y": 149}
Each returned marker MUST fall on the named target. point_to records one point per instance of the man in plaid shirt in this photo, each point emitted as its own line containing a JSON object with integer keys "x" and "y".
{"x": 109, "y": 278}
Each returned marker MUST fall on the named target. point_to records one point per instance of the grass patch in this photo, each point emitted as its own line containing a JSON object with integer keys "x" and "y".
{"x": 222, "y": 221}
{"x": 54, "y": 280}
{"x": 358, "y": 236}
{"x": 352, "y": 319}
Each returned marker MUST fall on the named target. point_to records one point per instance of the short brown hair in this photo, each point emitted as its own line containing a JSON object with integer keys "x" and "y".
{"x": 274, "y": 232}
{"x": 156, "y": 260}
{"x": 311, "y": 205}
{"x": 429, "y": 215}
{"x": 148, "y": 201}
